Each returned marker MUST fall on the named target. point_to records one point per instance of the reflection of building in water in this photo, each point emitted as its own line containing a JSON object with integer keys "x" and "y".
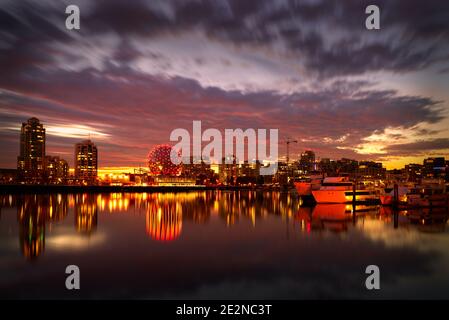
{"x": 196, "y": 206}
{"x": 117, "y": 201}
{"x": 254, "y": 205}
{"x": 31, "y": 231}
{"x": 429, "y": 220}
{"x": 55, "y": 207}
{"x": 31, "y": 219}
{"x": 34, "y": 212}
{"x": 86, "y": 213}
{"x": 164, "y": 220}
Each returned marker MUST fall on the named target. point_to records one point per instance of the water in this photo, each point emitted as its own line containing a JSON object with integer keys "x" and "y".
{"x": 213, "y": 244}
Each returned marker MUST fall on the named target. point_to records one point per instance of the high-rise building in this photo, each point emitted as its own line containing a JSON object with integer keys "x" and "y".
{"x": 86, "y": 161}
{"x": 30, "y": 162}
{"x": 56, "y": 169}
{"x": 307, "y": 161}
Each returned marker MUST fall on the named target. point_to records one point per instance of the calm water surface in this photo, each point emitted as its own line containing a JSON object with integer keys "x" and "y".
{"x": 216, "y": 244}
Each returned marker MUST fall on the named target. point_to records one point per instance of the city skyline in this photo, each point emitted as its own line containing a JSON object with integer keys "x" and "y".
{"x": 255, "y": 152}
{"x": 92, "y": 167}
{"x": 262, "y": 64}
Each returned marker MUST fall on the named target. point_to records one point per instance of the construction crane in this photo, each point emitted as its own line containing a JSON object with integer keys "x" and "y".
{"x": 287, "y": 142}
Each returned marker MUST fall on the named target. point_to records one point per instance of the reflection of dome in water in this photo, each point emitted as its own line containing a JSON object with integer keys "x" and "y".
{"x": 159, "y": 162}
{"x": 164, "y": 221}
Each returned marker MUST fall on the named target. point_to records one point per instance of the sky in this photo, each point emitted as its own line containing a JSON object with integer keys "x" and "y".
{"x": 136, "y": 70}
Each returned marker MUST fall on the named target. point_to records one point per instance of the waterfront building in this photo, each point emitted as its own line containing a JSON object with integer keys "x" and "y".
{"x": 86, "y": 162}
{"x": 413, "y": 172}
{"x": 198, "y": 169}
{"x": 336, "y": 167}
{"x": 397, "y": 175}
{"x": 307, "y": 161}
{"x": 8, "y": 176}
{"x": 174, "y": 181}
{"x": 56, "y": 169}
{"x": 247, "y": 169}
{"x": 434, "y": 167}
{"x": 370, "y": 170}
{"x": 249, "y": 173}
{"x": 327, "y": 166}
{"x": 228, "y": 170}
{"x": 346, "y": 165}
{"x": 282, "y": 174}
{"x": 30, "y": 162}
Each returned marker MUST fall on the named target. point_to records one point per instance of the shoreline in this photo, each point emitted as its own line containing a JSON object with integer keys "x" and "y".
{"x": 14, "y": 189}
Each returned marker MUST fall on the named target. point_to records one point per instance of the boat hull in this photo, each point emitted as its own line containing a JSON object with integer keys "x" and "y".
{"x": 343, "y": 196}
{"x": 386, "y": 200}
{"x": 303, "y": 188}
{"x": 329, "y": 196}
{"x": 418, "y": 201}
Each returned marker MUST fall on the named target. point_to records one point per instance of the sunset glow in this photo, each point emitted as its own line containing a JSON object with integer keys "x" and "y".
{"x": 128, "y": 88}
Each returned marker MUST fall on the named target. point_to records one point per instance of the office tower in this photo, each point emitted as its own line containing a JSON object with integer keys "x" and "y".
{"x": 86, "y": 161}
{"x": 30, "y": 162}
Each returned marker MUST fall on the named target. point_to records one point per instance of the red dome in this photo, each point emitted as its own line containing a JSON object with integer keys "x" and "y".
{"x": 159, "y": 161}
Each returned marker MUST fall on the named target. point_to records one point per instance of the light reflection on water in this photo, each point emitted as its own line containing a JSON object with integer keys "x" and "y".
{"x": 243, "y": 244}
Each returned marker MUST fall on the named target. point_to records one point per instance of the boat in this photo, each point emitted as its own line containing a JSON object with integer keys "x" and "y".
{"x": 387, "y": 196}
{"x": 431, "y": 220}
{"x": 341, "y": 190}
{"x": 305, "y": 185}
{"x": 427, "y": 195}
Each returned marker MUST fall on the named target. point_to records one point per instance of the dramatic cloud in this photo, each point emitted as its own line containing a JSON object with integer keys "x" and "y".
{"x": 137, "y": 70}
{"x": 419, "y": 146}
